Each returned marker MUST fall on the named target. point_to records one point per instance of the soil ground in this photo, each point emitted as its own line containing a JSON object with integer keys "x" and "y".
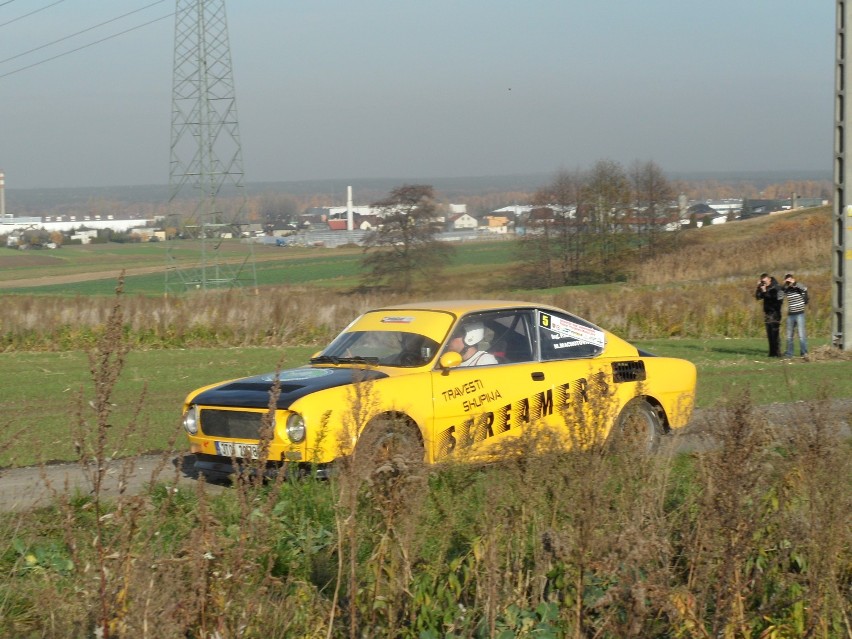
{"x": 29, "y": 487}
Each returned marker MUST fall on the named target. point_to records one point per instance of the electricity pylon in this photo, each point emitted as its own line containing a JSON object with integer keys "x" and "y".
{"x": 841, "y": 263}
{"x": 207, "y": 221}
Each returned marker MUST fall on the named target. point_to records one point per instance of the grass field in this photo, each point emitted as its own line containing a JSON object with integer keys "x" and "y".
{"x": 51, "y": 391}
{"x": 749, "y": 537}
{"x": 96, "y": 266}
{"x": 183, "y": 343}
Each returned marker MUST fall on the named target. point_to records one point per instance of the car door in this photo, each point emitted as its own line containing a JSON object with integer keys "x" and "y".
{"x": 548, "y": 383}
{"x": 478, "y": 407}
{"x": 580, "y": 379}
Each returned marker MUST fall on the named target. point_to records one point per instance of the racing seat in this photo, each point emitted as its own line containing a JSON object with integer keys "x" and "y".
{"x": 512, "y": 348}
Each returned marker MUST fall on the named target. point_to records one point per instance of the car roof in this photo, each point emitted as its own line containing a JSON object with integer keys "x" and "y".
{"x": 461, "y": 307}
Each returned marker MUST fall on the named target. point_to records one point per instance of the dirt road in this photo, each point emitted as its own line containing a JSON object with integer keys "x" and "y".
{"x": 73, "y": 278}
{"x": 25, "y": 488}
{"x": 34, "y": 486}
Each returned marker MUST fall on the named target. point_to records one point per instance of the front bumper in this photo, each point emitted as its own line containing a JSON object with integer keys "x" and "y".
{"x": 219, "y": 468}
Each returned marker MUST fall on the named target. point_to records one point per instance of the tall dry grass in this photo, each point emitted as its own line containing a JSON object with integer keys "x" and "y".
{"x": 777, "y": 245}
{"x": 715, "y": 307}
{"x": 700, "y": 288}
{"x": 222, "y": 318}
{"x": 748, "y": 536}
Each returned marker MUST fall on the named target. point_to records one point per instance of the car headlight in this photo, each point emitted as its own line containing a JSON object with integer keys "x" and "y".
{"x": 190, "y": 420}
{"x": 296, "y": 428}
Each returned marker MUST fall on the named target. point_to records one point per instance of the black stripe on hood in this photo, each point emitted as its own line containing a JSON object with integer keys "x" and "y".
{"x": 253, "y": 392}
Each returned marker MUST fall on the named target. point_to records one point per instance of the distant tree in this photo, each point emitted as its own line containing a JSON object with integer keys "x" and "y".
{"x": 275, "y": 207}
{"x": 537, "y": 252}
{"x": 607, "y": 195}
{"x": 404, "y": 250}
{"x": 653, "y": 196}
{"x": 35, "y": 238}
{"x": 553, "y": 246}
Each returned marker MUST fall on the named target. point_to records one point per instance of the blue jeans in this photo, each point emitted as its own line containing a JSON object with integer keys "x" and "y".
{"x": 796, "y": 320}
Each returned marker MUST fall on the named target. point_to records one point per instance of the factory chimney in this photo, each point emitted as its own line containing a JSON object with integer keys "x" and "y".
{"x": 350, "y": 222}
{"x": 2, "y": 195}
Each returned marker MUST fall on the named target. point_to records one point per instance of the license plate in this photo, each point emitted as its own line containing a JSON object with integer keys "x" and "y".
{"x": 232, "y": 449}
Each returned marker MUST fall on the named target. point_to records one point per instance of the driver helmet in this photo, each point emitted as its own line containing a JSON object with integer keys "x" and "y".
{"x": 474, "y": 333}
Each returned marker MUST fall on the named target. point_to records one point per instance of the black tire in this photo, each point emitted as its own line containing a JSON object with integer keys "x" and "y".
{"x": 638, "y": 427}
{"x": 389, "y": 440}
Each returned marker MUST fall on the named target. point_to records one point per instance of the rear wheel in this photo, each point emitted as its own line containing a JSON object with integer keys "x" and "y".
{"x": 638, "y": 427}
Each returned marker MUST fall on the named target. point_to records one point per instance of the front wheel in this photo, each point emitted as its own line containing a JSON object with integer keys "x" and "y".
{"x": 638, "y": 427}
{"x": 389, "y": 442}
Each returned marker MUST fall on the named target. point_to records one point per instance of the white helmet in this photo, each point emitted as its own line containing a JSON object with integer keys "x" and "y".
{"x": 474, "y": 332}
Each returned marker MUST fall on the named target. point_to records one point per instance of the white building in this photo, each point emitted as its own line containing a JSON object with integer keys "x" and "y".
{"x": 515, "y": 209}
{"x": 10, "y": 224}
{"x": 726, "y": 206}
{"x": 463, "y": 221}
{"x": 85, "y": 237}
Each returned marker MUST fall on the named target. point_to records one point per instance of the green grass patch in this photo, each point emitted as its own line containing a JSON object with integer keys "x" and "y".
{"x": 728, "y": 367}
{"x": 274, "y": 266}
{"x": 44, "y": 402}
{"x": 47, "y": 386}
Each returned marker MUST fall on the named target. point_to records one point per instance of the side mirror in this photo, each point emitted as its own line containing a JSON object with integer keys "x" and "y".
{"x": 449, "y": 360}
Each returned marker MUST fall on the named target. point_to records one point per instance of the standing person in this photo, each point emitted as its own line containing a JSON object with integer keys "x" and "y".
{"x": 773, "y": 297}
{"x": 797, "y": 300}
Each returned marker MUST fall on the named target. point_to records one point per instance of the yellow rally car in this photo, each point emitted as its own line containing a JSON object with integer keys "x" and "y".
{"x": 459, "y": 379}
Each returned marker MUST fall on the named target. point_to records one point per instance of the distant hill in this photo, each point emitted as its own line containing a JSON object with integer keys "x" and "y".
{"x": 19, "y": 201}
{"x": 23, "y": 201}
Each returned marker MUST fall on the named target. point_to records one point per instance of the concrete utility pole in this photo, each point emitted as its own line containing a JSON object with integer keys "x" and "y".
{"x": 207, "y": 204}
{"x": 841, "y": 294}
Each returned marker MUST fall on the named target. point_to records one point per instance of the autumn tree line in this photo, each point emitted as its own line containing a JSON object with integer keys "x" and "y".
{"x": 266, "y": 204}
{"x": 591, "y": 224}
{"x": 586, "y": 226}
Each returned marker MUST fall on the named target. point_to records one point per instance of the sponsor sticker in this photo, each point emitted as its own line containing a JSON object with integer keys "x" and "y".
{"x": 562, "y": 328}
{"x": 397, "y": 319}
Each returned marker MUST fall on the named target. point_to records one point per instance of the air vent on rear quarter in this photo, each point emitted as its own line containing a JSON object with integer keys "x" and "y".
{"x": 628, "y": 371}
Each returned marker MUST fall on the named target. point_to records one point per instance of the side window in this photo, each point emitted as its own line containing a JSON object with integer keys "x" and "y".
{"x": 504, "y": 335}
{"x": 511, "y": 342}
{"x": 563, "y": 336}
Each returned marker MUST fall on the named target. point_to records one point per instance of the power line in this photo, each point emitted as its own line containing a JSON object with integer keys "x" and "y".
{"x": 68, "y": 37}
{"x": 86, "y": 46}
{"x": 27, "y": 15}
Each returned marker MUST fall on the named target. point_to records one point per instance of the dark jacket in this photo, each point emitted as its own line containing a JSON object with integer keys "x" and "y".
{"x": 773, "y": 298}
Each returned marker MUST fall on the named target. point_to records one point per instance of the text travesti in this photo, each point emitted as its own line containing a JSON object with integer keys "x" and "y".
{"x": 465, "y": 389}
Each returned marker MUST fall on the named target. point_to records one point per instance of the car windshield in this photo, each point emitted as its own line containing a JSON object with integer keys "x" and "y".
{"x": 379, "y": 348}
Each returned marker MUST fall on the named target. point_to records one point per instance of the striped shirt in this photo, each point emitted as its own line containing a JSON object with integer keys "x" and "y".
{"x": 797, "y": 297}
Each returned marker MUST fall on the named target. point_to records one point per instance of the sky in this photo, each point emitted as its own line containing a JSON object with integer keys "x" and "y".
{"x": 419, "y": 89}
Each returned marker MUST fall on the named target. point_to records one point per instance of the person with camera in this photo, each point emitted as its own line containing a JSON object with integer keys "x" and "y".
{"x": 797, "y": 299}
{"x": 773, "y": 297}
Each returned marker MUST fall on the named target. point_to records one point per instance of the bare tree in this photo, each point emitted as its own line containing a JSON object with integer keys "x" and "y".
{"x": 404, "y": 250}
{"x": 653, "y": 196}
{"x": 608, "y": 200}
{"x": 537, "y": 252}
{"x": 278, "y": 208}
{"x": 554, "y": 245}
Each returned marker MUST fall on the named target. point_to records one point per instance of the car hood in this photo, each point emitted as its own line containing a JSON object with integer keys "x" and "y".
{"x": 253, "y": 392}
